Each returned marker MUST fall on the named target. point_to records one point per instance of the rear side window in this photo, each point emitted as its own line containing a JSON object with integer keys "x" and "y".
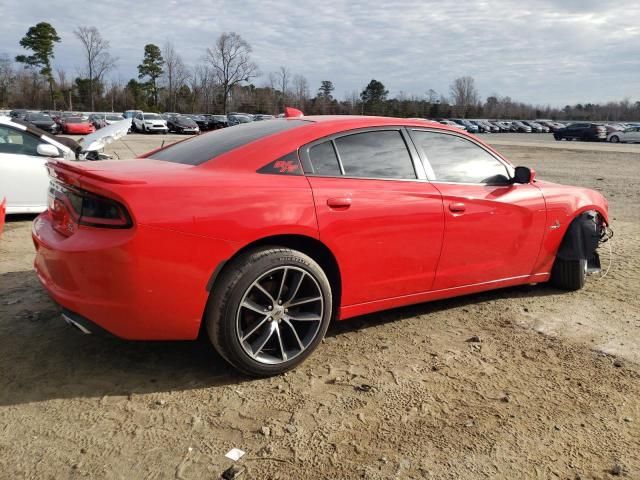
{"x": 200, "y": 149}
{"x": 324, "y": 159}
{"x": 377, "y": 154}
{"x": 455, "y": 159}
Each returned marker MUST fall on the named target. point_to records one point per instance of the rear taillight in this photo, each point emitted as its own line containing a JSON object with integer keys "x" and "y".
{"x": 72, "y": 206}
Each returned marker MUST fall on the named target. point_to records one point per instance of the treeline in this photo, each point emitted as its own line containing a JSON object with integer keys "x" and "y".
{"x": 227, "y": 79}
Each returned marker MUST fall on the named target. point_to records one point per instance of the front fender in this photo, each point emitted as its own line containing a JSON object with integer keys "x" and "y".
{"x": 564, "y": 204}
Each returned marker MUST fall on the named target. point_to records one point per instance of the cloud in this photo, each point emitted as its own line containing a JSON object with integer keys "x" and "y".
{"x": 551, "y": 51}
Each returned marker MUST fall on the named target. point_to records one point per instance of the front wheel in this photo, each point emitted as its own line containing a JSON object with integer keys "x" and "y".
{"x": 269, "y": 310}
{"x": 614, "y": 139}
{"x": 569, "y": 274}
{"x": 557, "y": 137}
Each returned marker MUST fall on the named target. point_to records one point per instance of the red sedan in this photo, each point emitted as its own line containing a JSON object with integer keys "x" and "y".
{"x": 76, "y": 126}
{"x": 263, "y": 233}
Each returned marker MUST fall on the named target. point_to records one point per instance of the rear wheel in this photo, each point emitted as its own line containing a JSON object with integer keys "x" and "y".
{"x": 269, "y": 310}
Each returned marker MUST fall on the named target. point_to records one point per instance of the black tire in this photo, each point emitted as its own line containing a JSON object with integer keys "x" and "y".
{"x": 614, "y": 139}
{"x": 569, "y": 274}
{"x": 236, "y": 280}
{"x": 557, "y": 137}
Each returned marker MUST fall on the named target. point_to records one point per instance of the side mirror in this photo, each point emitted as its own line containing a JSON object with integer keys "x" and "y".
{"x": 47, "y": 150}
{"x": 523, "y": 175}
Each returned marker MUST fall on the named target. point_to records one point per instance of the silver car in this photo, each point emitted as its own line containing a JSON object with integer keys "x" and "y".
{"x": 630, "y": 135}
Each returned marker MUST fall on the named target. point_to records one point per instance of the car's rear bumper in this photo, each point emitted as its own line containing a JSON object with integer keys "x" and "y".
{"x": 142, "y": 283}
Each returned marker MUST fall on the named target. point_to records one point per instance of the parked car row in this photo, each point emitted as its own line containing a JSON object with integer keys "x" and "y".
{"x": 56, "y": 122}
{"x": 77, "y": 123}
{"x": 589, "y": 131}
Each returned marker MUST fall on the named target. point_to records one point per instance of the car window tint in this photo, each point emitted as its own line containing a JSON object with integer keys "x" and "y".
{"x": 455, "y": 159}
{"x": 206, "y": 147}
{"x": 378, "y": 154}
{"x": 17, "y": 142}
{"x": 324, "y": 160}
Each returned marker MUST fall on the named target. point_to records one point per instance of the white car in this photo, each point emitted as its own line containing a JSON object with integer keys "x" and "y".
{"x": 630, "y": 135}
{"x": 24, "y": 152}
{"x": 23, "y": 177}
{"x": 149, "y": 123}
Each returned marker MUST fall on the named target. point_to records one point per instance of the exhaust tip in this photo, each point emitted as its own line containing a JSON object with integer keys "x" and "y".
{"x": 73, "y": 323}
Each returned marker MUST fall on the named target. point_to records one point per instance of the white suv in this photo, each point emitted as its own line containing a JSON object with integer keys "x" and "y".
{"x": 149, "y": 123}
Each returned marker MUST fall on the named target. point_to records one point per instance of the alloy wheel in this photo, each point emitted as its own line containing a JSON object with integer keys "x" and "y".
{"x": 280, "y": 315}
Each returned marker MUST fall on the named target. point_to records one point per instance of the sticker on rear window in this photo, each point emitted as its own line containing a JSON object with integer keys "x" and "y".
{"x": 287, "y": 165}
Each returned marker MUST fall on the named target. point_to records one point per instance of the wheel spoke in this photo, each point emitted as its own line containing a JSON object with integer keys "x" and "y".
{"x": 263, "y": 290}
{"x": 282, "y": 352}
{"x": 295, "y": 333}
{"x": 303, "y": 301}
{"x": 304, "y": 317}
{"x": 284, "y": 276}
{"x": 251, "y": 305}
{"x": 296, "y": 288}
{"x": 253, "y": 330}
{"x": 264, "y": 342}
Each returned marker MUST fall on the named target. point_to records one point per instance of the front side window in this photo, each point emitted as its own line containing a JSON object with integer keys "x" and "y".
{"x": 17, "y": 142}
{"x": 458, "y": 160}
{"x": 377, "y": 154}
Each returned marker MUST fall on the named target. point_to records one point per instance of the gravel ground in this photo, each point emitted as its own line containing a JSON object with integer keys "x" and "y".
{"x": 549, "y": 388}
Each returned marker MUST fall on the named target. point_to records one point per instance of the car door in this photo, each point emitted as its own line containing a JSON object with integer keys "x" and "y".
{"x": 376, "y": 212}
{"x": 632, "y": 135}
{"x": 493, "y": 228}
{"x": 23, "y": 175}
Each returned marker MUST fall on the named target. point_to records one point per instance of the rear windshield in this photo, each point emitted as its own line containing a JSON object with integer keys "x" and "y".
{"x": 205, "y": 147}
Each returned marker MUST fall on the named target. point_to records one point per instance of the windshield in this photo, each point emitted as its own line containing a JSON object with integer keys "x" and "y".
{"x": 115, "y": 118}
{"x": 39, "y": 117}
{"x": 152, "y": 116}
{"x": 74, "y": 120}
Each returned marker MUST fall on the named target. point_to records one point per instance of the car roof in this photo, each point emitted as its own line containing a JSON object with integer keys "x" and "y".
{"x": 372, "y": 121}
{"x": 314, "y": 128}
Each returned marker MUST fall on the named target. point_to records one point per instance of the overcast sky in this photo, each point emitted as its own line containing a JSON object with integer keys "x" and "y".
{"x": 545, "y": 51}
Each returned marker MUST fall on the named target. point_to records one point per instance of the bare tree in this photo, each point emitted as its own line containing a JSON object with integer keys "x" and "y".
{"x": 283, "y": 74}
{"x": 175, "y": 74}
{"x": 65, "y": 87}
{"x": 464, "y": 94}
{"x": 98, "y": 59}
{"x": 301, "y": 90}
{"x": 7, "y": 76}
{"x": 231, "y": 62}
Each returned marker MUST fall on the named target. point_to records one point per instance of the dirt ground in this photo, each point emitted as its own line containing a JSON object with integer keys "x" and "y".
{"x": 552, "y": 390}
